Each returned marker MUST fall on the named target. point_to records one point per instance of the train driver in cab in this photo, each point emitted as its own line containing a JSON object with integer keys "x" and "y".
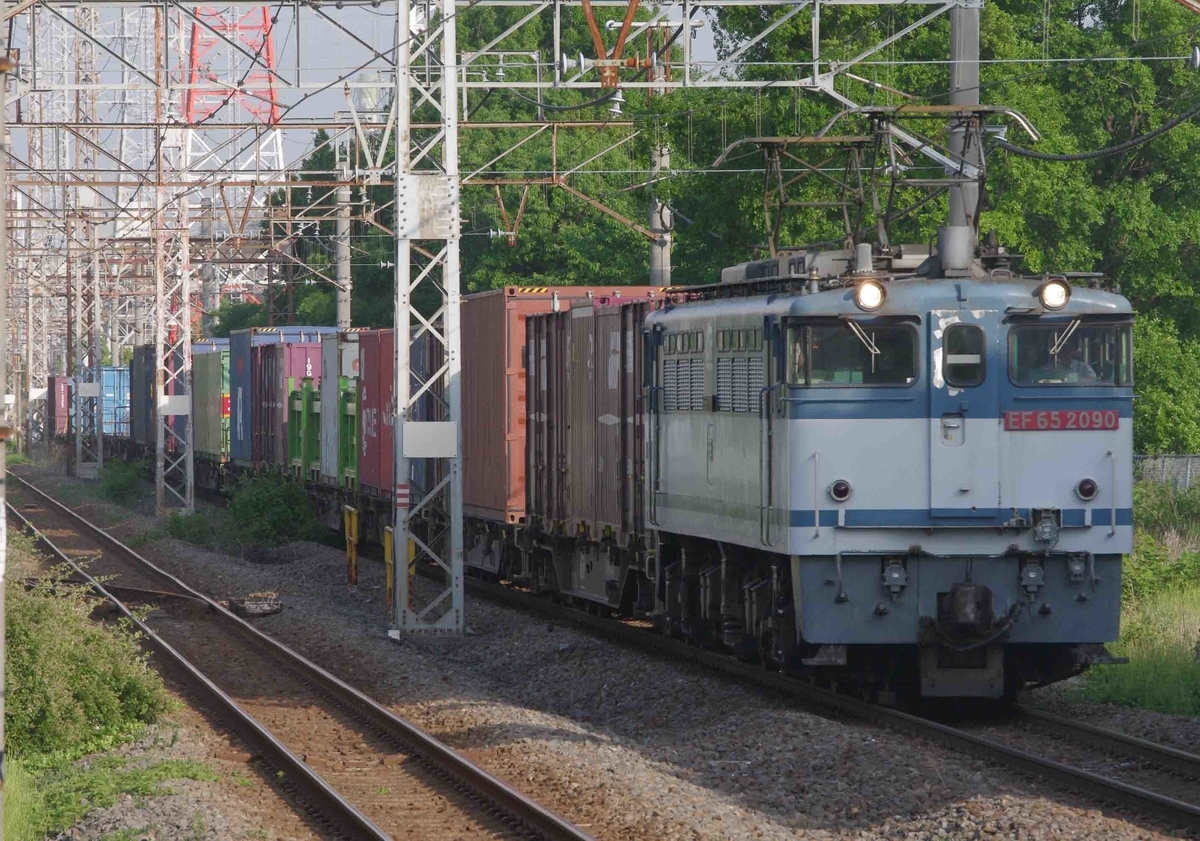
{"x": 1066, "y": 367}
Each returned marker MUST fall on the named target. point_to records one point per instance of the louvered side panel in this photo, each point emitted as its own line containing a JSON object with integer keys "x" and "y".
{"x": 741, "y": 387}
{"x": 670, "y": 386}
{"x": 724, "y": 384}
{"x": 698, "y": 391}
{"x": 756, "y": 381}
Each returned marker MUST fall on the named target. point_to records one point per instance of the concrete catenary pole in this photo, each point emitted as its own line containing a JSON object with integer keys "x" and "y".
{"x": 661, "y": 223}
{"x": 345, "y": 283}
{"x": 956, "y": 242}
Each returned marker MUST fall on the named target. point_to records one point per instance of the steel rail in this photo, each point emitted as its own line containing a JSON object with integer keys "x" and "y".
{"x": 1158, "y": 806}
{"x": 1176, "y": 760}
{"x": 313, "y": 789}
{"x": 441, "y": 758}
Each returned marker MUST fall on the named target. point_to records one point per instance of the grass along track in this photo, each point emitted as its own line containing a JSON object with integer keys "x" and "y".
{"x": 359, "y": 770}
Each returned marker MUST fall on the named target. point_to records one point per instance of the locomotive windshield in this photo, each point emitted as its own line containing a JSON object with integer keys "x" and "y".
{"x": 850, "y": 354}
{"x": 1070, "y": 353}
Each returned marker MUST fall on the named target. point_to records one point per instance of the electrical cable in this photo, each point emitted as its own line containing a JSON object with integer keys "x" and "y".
{"x": 1131, "y": 143}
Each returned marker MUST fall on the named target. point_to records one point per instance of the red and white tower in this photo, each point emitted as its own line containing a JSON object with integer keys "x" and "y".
{"x": 232, "y": 109}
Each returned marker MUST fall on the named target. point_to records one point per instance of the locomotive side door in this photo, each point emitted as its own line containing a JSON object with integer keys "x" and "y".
{"x": 966, "y": 363}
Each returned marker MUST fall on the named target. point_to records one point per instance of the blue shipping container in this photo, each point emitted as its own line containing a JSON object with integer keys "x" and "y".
{"x": 142, "y": 399}
{"x": 141, "y": 395}
{"x": 240, "y": 377}
{"x": 114, "y": 397}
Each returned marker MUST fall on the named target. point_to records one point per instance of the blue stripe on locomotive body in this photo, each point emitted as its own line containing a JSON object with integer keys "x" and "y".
{"x": 912, "y": 496}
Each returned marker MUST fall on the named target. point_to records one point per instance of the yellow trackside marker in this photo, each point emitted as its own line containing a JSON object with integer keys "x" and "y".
{"x": 350, "y": 517}
{"x": 389, "y": 565}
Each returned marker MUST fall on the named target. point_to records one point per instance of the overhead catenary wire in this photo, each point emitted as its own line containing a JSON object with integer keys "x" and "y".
{"x": 1109, "y": 151}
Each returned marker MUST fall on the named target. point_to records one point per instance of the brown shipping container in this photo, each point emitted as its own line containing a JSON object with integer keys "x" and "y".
{"x": 58, "y": 405}
{"x": 585, "y": 457}
{"x": 493, "y": 389}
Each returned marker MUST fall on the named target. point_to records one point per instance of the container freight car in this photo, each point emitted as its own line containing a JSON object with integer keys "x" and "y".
{"x": 493, "y": 389}
{"x": 278, "y": 370}
{"x": 58, "y": 405}
{"x": 585, "y": 436}
{"x": 143, "y": 399}
{"x": 114, "y": 405}
{"x": 339, "y": 409}
{"x": 210, "y": 405}
{"x": 141, "y": 396}
{"x": 494, "y": 403}
{"x": 247, "y": 435}
{"x": 375, "y": 408}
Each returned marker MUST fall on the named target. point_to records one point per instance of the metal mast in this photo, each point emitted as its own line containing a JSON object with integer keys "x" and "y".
{"x": 89, "y": 448}
{"x": 427, "y": 229}
{"x": 173, "y": 466}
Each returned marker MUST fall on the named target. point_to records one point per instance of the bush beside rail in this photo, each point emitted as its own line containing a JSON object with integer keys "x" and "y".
{"x": 74, "y": 686}
{"x": 263, "y": 514}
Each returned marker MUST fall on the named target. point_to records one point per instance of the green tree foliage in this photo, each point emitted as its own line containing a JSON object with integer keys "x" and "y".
{"x": 1131, "y": 216}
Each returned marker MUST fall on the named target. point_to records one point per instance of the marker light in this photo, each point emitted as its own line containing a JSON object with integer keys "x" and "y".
{"x": 840, "y": 490}
{"x": 1055, "y": 294}
{"x": 1087, "y": 489}
{"x": 869, "y": 295}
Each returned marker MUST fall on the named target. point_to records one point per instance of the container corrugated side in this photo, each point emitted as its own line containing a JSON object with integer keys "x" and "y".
{"x": 114, "y": 401}
{"x": 493, "y": 389}
{"x": 294, "y": 363}
{"x": 330, "y": 379}
{"x": 209, "y": 399}
{"x": 141, "y": 395}
{"x": 376, "y": 392}
{"x": 58, "y": 405}
{"x": 241, "y": 368}
{"x": 581, "y": 418}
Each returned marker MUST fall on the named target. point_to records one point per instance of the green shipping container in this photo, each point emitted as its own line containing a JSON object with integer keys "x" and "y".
{"x": 210, "y": 404}
{"x": 304, "y": 428}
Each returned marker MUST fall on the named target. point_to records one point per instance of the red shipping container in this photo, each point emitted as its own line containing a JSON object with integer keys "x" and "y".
{"x": 58, "y": 404}
{"x": 376, "y": 412}
{"x": 585, "y": 443}
{"x": 493, "y": 389}
{"x": 273, "y": 367}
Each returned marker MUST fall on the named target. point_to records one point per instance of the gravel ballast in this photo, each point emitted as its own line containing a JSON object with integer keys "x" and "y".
{"x": 628, "y": 745}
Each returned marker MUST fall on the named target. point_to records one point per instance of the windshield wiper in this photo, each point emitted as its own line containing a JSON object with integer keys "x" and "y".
{"x": 1058, "y": 346}
{"x": 866, "y": 340}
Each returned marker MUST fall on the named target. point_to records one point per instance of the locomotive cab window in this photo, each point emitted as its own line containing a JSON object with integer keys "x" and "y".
{"x": 1070, "y": 354}
{"x": 965, "y": 360}
{"x": 848, "y": 353}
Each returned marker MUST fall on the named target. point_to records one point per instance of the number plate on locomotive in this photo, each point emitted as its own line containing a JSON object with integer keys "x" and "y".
{"x": 1058, "y": 419}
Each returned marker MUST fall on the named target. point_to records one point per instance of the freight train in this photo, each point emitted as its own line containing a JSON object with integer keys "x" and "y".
{"x": 872, "y": 469}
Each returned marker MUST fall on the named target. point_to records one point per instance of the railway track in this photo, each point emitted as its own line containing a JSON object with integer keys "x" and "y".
{"x": 354, "y": 768}
{"x": 1153, "y": 779}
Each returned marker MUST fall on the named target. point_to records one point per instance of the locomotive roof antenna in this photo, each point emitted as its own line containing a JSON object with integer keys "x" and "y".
{"x": 956, "y": 241}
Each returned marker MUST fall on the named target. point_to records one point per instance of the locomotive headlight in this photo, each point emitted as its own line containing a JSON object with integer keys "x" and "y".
{"x": 1055, "y": 294}
{"x": 869, "y": 295}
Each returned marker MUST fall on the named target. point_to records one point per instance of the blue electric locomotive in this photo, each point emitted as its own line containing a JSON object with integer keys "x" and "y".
{"x": 884, "y": 466}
